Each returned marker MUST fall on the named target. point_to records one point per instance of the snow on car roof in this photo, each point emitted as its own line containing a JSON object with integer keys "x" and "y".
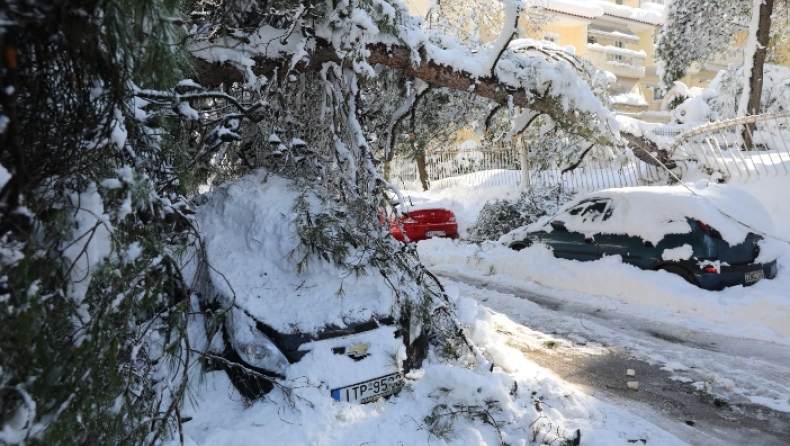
{"x": 249, "y": 233}
{"x": 651, "y": 212}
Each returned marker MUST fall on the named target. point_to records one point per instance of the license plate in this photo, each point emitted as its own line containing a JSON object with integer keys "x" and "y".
{"x": 435, "y": 233}
{"x": 368, "y": 391}
{"x": 754, "y": 276}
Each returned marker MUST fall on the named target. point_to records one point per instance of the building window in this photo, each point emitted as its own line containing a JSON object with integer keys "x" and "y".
{"x": 591, "y": 39}
{"x": 619, "y": 2}
{"x": 551, "y": 37}
{"x": 619, "y": 57}
{"x": 658, "y": 94}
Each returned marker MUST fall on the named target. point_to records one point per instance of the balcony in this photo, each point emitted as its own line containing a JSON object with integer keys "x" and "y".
{"x": 622, "y": 62}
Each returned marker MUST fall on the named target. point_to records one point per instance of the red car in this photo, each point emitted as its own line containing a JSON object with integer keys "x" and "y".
{"x": 421, "y": 224}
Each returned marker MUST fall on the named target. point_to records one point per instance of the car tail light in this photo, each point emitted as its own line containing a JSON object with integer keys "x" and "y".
{"x": 708, "y": 230}
{"x": 710, "y": 269}
{"x": 451, "y": 219}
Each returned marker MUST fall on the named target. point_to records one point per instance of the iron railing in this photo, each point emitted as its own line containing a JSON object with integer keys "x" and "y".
{"x": 716, "y": 148}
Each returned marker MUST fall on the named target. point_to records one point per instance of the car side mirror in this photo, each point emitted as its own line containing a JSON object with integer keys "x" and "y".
{"x": 558, "y": 225}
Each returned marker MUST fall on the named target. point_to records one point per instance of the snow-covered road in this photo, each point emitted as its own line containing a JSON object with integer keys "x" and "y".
{"x": 704, "y": 387}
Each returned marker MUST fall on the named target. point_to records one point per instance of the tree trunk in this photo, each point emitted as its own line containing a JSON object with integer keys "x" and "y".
{"x": 422, "y": 171}
{"x": 758, "y": 62}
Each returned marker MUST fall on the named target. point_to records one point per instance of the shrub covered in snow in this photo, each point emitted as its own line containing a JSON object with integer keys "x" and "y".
{"x": 499, "y": 217}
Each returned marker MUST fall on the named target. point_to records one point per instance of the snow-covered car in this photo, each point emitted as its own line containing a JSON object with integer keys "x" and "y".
{"x": 419, "y": 222}
{"x": 707, "y": 234}
{"x": 326, "y": 328}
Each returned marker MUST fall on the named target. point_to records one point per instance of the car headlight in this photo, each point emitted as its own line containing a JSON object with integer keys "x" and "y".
{"x": 252, "y": 346}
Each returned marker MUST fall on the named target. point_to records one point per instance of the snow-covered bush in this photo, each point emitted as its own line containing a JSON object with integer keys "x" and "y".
{"x": 719, "y": 101}
{"x": 499, "y": 217}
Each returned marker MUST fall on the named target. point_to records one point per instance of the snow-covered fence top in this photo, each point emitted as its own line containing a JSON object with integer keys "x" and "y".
{"x": 749, "y": 147}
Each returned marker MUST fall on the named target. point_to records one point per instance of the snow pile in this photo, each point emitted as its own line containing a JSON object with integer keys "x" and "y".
{"x": 683, "y": 252}
{"x": 441, "y": 404}
{"x": 718, "y": 100}
{"x": 759, "y": 311}
{"x": 249, "y": 231}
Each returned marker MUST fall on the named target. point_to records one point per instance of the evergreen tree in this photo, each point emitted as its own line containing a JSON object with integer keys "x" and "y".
{"x": 114, "y": 112}
{"x": 697, "y": 30}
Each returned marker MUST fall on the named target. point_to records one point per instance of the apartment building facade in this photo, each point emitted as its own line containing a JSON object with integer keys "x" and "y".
{"x": 618, "y": 36}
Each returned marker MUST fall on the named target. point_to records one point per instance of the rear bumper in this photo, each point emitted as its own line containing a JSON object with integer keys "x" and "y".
{"x": 734, "y": 275}
{"x": 417, "y": 232}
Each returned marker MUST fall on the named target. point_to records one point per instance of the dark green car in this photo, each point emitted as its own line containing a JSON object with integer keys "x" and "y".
{"x": 700, "y": 256}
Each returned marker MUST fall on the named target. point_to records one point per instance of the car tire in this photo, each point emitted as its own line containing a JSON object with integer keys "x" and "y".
{"x": 518, "y": 246}
{"x": 682, "y": 272}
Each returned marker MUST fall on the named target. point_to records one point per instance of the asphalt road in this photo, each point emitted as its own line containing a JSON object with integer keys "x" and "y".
{"x": 708, "y": 416}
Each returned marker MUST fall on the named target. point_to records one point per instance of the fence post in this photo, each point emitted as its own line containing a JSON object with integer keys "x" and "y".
{"x": 525, "y": 181}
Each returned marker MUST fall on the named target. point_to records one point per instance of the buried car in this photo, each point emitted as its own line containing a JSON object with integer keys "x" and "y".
{"x": 328, "y": 329}
{"x": 706, "y": 234}
{"x": 420, "y": 222}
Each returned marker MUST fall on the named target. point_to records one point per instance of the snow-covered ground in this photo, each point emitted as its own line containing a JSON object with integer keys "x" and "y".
{"x": 754, "y": 314}
{"x": 443, "y": 404}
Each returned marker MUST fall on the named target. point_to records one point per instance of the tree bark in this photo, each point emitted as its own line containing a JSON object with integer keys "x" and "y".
{"x": 758, "y": 64}
{"x": 437, "y": 75}
{"x": 647, "y": 151}
{"x": 422, "y": 171}
{"x": 399, "y": 58}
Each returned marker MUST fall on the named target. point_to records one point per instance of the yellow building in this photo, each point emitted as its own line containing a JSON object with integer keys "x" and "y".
{"x": 617, "y": 36}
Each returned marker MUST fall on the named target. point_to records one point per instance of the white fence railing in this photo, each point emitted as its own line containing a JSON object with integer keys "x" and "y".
{"x": 502, "y": 167}
{"x": 717, "y": 148}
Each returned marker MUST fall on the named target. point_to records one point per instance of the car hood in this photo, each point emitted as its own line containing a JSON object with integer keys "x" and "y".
{"x": 248, "y": 229}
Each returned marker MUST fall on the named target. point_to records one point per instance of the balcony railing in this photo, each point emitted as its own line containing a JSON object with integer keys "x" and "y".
{"x": 620, "y": 61}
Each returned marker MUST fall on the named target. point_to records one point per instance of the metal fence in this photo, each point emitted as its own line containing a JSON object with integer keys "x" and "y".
{"x": 721, "y": 150}
{"x": 487, "y": 167}
{"x": 716, "y": 148}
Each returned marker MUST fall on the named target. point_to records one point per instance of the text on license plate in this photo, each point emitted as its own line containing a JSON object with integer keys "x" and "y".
{"x": 435, "y": 233}
{"x": 367, "y": 391}
{"x": 753, "y": 276}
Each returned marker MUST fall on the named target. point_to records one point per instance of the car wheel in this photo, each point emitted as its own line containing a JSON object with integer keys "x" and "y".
{"x": 518, "y": 246}
{"x": 682, "y": 272}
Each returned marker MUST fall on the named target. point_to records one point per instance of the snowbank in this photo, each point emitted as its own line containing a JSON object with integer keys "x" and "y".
{"x": 760, "y": 311}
